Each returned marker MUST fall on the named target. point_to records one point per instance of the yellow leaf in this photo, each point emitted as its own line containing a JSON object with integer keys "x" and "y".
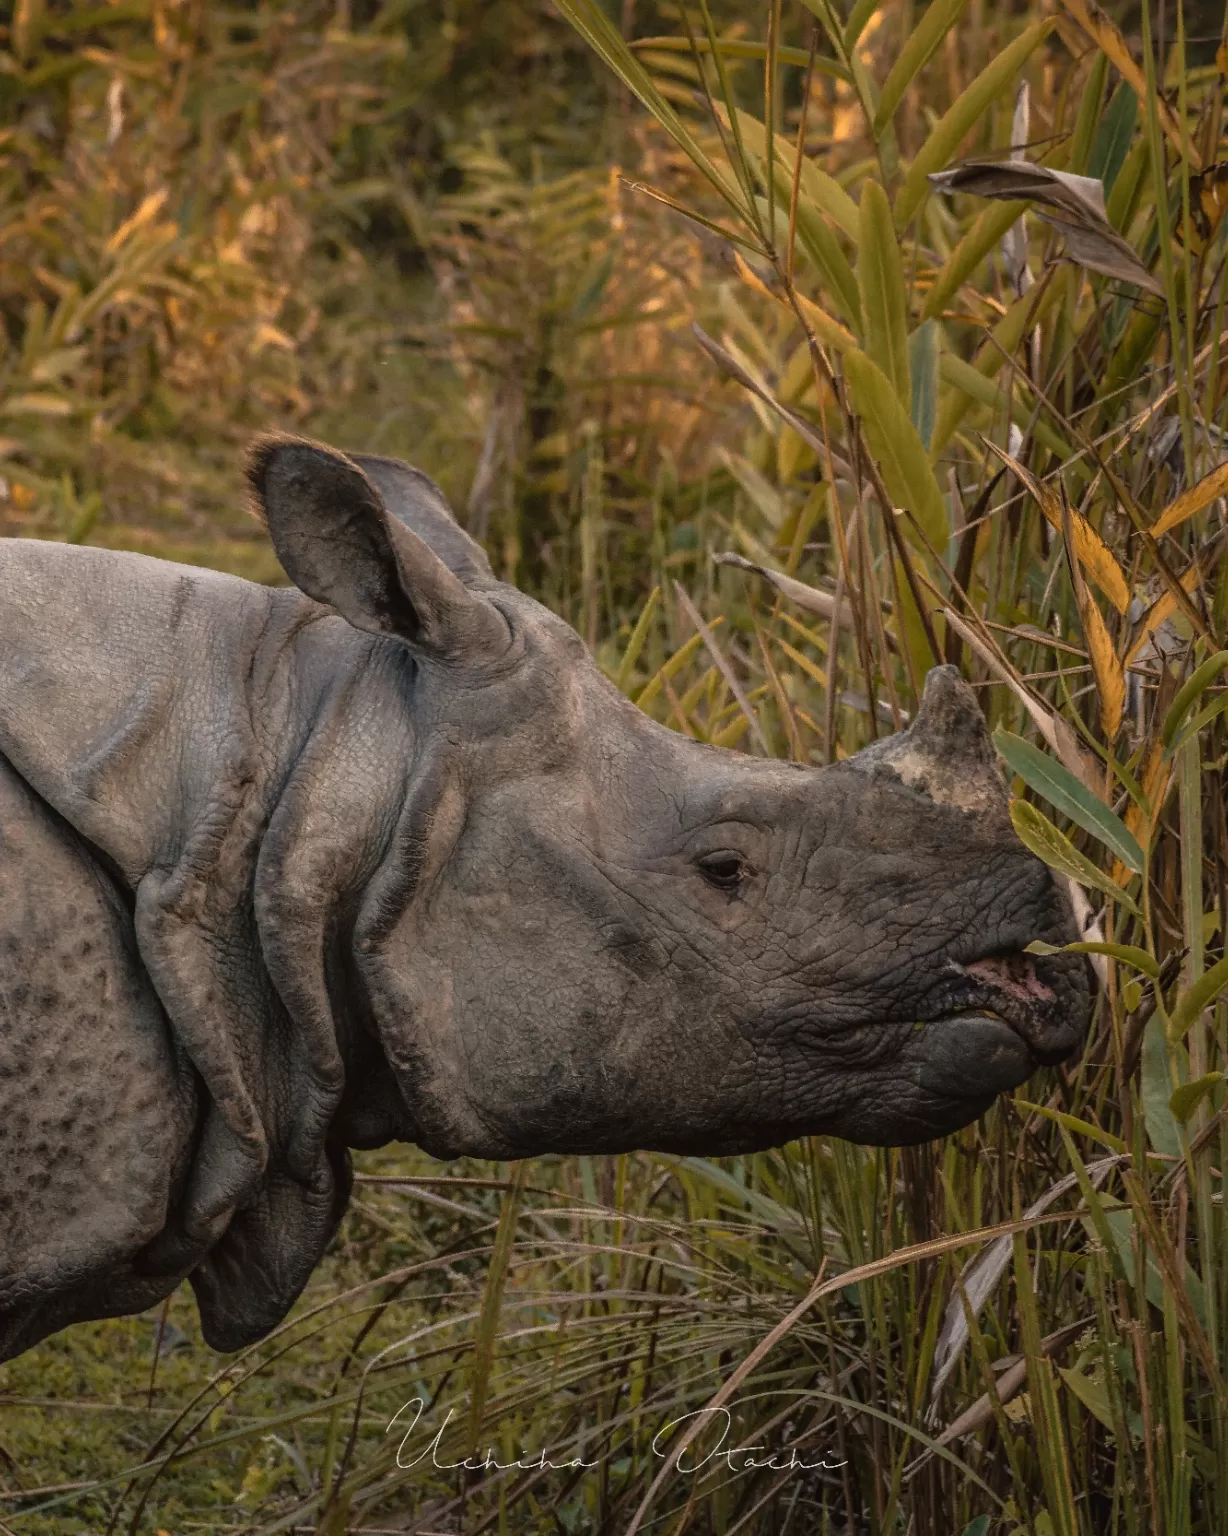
{"x": 1193, "y": 500}
{"x": 1163, "y": 608}
{"x": 36, "y": 404}
{"x": 1092, "y": 552}
{"x": 269, "y": 336}
{"x": 145, "y": 213}
{"x": 1154, "y": 783}
{"x": 1106, "y": 668}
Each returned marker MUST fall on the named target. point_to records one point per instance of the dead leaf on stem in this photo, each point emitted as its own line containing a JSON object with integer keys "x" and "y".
{"x": 1073, "y": 205}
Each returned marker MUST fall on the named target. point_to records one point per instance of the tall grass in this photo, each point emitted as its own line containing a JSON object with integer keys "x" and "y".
{"x": 910, "y": 429}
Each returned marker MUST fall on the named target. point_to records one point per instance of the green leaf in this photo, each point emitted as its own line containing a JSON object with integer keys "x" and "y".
{"x": 1074, "y": 1124}
{"x": 893, "y": 441}
{"x": 1094, "y": 1395}
{"x": 923, "y": 369}
{"x": 919, "y": 48}
{"x": 487, "y": 1332}
{"x": 636, "y": 643}
{"x": 963, "y": 115}
{"x": 1192, "y": 1002}
{"x": 880, "y": 280}
{"x": 1127, "y": 954}
{"x": 778, "y": 1218}
{"x": 1155, "y": 1081}
{"x": 1189, "y": 1096}
{"x": 1112, "y": 141}
{"x": 742, "y": 48}
{"x": 1199, "y": 723}
{"x": 977, "y": 1527}
{"x": 1193, "y": 687}
{"x": 818, "y": 240}
{"x": 1088, "y": 119}
{"x": 999, "y": 346}
{"x": 971, "y": 251}
{"x": 1066, "y": 794}
{"x": 824, "y": 191}
{"x": 972, "y": 382}
{"x": 1037, "y": 832}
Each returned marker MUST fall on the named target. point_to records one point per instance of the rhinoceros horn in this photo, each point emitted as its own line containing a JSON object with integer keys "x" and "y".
{"x": 946, "y": 751}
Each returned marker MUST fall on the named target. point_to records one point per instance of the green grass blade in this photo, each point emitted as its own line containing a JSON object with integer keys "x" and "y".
{"x": 967, "y": 110}
{"x": 1065, "y": 793}
{"x": 880, "y": 281}
{"x": 894, "y": 443}
{"x": 919, "y": 48}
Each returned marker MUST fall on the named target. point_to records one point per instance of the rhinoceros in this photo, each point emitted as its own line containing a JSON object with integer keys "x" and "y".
{"x": 383, "y": 856}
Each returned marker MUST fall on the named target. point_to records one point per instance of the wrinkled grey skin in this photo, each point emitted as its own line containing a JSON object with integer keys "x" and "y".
{"x": 288, "y": 872}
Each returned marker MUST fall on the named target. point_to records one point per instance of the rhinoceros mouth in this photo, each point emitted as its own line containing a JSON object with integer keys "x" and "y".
{"x": 1045, "y": 1011}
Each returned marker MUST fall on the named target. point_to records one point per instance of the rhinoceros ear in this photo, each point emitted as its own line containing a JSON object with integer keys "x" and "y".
{"x": 338, "y": 543}
{"x": 415, "y": 500}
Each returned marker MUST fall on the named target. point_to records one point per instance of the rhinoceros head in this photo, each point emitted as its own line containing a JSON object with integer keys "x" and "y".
{"x": 588, "y": 933}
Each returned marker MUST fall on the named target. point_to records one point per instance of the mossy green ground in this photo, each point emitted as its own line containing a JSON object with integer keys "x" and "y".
{"x": 78, "y": 1408}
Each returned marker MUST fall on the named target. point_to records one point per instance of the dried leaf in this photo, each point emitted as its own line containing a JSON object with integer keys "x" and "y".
{"x": 1192, "y": 501}
{"x": 981, "y": 1276}
{"x": 811, "y": 598}
{"x": 1074, "y": 198}
{"x": 1073, "y": 205}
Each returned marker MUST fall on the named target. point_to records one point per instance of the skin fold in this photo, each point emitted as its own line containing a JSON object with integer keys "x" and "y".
{"x": 381, "y": 856}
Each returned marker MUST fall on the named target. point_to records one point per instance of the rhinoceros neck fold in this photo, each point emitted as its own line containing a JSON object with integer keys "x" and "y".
{"x": 126, "y": 691}
{"x": 160, "y": 711}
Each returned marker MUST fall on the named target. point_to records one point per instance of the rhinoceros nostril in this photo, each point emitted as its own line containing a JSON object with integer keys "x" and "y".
{"x": 1013, "y": 974}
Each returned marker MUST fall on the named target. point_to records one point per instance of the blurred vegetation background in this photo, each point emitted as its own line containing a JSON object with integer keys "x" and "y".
{"x": 979, "y": 420}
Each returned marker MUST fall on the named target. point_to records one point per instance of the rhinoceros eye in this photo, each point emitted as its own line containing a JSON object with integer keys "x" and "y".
{"x": 724, "y": 870}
